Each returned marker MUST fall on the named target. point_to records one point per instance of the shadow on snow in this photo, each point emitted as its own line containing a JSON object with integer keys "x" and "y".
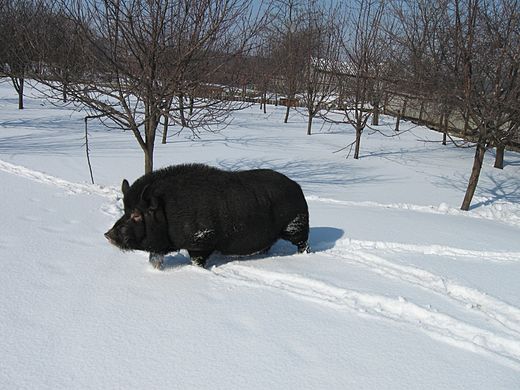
{"x": 320, "y": 240}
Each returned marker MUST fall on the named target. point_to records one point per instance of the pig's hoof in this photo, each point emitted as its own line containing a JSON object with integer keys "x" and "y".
{"x": 198, "y": 262}
{"x": 303, "y": 247}
{"x": 157, "y": 261}
{"x": 158, "y": 265}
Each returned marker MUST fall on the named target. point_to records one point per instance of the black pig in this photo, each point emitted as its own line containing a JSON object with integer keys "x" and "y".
{"x": 205, "y": 209}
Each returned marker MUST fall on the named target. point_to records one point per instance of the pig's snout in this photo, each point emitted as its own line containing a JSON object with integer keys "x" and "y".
{"x": 110, "y": 236}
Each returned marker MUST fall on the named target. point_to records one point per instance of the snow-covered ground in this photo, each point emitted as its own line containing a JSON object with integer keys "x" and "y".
{"x": 402, "y": 290}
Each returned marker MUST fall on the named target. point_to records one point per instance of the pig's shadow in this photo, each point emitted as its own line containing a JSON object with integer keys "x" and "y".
{"x": 320, "y": 240}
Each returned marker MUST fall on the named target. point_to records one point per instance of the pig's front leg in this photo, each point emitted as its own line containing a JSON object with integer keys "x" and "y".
{"x": 156, "y": 260}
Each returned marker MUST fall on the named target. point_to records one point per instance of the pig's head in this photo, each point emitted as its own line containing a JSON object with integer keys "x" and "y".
{"x": 143, "y": 226}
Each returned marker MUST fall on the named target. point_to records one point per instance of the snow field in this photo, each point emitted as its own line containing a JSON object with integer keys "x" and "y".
{"x": 402, "y": 291}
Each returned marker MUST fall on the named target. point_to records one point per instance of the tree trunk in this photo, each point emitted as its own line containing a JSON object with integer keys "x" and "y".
{"x": 181, "y": 110}
{"x": 358, "y": 142}
{"x": 442, "y": 128}
{"x": 167, "y": 107}
{"x": 152, "y": 118}
{"x": 287, "y": 113}
{"x": 18, "y": 84}
{"x": 405, "y": 104}
{"x": 475, "y": 174}
{"x": 21, "y": 82}
{"x": 192, "y": 102}
{"x": 375, "y": 114}
{"x": 165, "y": 129}
{"x": 148, "y": 160}
{"x": 445, "y": 122}
{"x": 499, "y": 158}
{"x": 466, "y": 124}
{"x": 150, "y": 142}
{"x": 64, "y": 76}
{"x": 309, "y": 125}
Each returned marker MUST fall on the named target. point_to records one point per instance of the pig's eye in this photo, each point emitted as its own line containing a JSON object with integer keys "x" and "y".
{"x": 136, "y": 216}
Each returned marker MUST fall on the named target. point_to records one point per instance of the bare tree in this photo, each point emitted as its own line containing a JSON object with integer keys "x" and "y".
{"x": 17, "y": 28}
{"x": 141, "y": 58}
{"x": 63, "y": 47}
{"x": 503, "y": 49}
{"x": 465, "y": 55}
{"x": 321, "y": 48}
{"x": 420, "y": 47}
{"x": 485, "y": 36}
{"x": 263, "y": 69}
{"x": 288, "y": 51}
{"x": 362, "y": 46}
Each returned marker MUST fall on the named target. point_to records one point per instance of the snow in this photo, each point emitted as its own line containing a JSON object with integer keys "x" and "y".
{"x": 202, "y": 233}
{"x": 402, "y": 290}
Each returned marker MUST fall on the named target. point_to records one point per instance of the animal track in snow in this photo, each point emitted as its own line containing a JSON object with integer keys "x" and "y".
{"x": 506, "y": 315}
{"x": 438, "y": 325}
{"x": 399, "y": 310}
{"x": 113, "y": 209}
{"x": 70, "y": 187}
{"x": 439, "y": 250}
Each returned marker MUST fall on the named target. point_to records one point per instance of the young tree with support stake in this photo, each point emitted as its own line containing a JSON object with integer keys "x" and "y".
{"x": 139, "y": 54}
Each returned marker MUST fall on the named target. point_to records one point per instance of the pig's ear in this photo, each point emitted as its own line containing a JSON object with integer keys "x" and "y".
{"x": 154, "y": 203}
{"x": 124, "y": 187}
{"x": 149, "y": 198}
{"x": 145, "y": 193}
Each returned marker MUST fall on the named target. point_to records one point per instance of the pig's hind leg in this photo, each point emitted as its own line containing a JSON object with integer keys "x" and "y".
{"x": 202, "y": 246}
{"x": 199, "y": 257}
{"x": 297, "y": 232}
